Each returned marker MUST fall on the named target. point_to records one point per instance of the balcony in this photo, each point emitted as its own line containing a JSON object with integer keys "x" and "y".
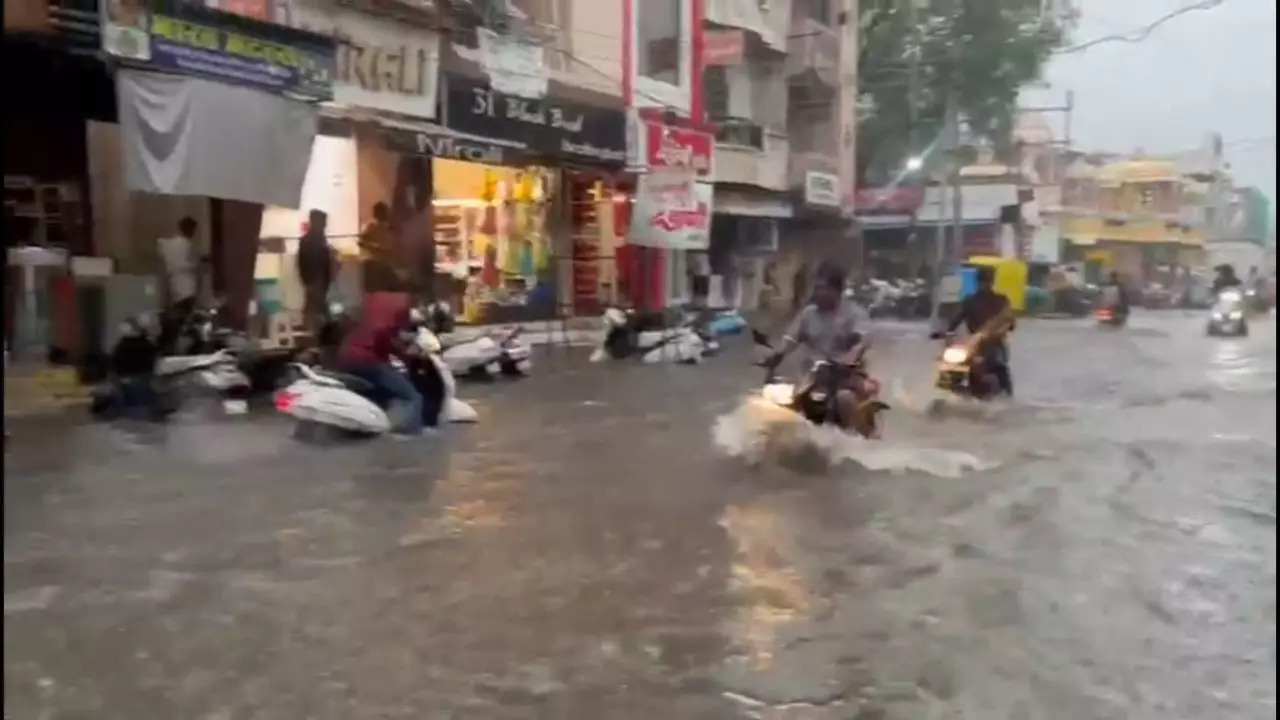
{"x": 762, "y": 167}
{"x": 813, "y": 54}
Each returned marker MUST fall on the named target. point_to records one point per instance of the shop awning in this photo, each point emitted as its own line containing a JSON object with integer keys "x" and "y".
{"x": 747, "y": 204}
{"x": 190, "y": 136}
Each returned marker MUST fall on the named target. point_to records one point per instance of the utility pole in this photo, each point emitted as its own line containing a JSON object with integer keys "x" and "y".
{"x": 913, "y": 124}
{"x": 948, "y": 180}
{"x": 944, "y": 256}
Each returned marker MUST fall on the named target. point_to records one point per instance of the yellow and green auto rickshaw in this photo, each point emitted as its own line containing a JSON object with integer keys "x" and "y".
{"x": 1010, "y": 278}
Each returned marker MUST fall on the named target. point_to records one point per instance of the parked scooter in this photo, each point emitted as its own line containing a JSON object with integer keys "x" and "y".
{"x": 351, "y": 405}
{"x": 152, "y": 386}
{"x": 483, "y": 357}
{"x": 629, "y": 334}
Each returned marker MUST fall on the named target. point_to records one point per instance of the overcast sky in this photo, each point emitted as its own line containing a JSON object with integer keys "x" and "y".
{"x": 1206, "y": 71}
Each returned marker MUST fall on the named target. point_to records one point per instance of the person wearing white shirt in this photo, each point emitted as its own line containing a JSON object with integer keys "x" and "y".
{"x": 180, "y": 258}
{"x": 181, "y": 262}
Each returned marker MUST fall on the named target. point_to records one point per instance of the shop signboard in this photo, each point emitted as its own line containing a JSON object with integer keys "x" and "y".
{"x": 667, "y": 147}
{"x": 193, "y": 40}
{"x": 555, "y": 127}
{"x": 723, "y": 47}
{"x": 443, "y": 144}
{"x": 821, "y": 189}
{"x": 381, "y": 63}
{"x": 671, "y": 210}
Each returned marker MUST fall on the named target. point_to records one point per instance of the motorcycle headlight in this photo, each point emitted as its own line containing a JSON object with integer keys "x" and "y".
{"x": 955, "y": 355}
{"x": 779, "y": 393}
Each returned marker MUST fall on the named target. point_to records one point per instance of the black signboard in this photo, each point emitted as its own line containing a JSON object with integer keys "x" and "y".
{"x": 560, "y": 128}
{"x": 444, "y": 145}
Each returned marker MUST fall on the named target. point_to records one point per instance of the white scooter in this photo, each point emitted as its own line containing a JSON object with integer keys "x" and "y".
{"x": 336, "y": 400}
{"x": 623, "y": 339}
{"x": 486, "y": 356}
{"x": 218, "y": 371}
{"x": 481, "y": 357}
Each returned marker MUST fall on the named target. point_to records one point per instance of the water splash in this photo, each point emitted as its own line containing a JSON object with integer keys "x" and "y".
{"x": 760, "y": 432}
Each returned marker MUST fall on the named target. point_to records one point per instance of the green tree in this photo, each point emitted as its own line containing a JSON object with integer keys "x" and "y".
{"x": 987, "y": 50}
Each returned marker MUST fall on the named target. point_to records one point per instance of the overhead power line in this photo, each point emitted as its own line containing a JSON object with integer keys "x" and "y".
{"x": 1144, "y": 32}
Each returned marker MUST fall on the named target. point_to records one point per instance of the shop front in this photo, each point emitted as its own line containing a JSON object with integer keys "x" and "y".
{"x": 386, "y": 76}
{"x": 745, "y": 234}
{"x": 892, "y": 244}
{"x": 218, "y": 113}
{"x": 672, "y": 209}
{"x": 533, "y": 234}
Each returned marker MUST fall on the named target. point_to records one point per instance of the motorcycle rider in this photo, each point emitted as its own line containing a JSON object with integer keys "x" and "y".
{"x": 827, "y": 327}
{"x": 1226, "y": 278}
{"x": 976, "y": 311}
{"x": 1120, "y": 299}
{"x": 366, "y": 353}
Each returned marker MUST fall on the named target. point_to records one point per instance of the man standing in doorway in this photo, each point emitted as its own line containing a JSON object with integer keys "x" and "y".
{"x": 180, "y": 257}
{"x": 315, "y": 269}
{"x": 181, "y": 260}
{"x": 378, "y": 246}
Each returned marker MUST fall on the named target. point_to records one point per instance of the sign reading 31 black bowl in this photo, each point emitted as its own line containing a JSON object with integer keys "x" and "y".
{"x": 560, "y": 128}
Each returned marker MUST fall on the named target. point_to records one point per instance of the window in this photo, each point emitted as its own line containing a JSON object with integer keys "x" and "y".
{"x": 818, "y": 10}
{"x": 715, "y": 89}
{"x": 658, "y": 46}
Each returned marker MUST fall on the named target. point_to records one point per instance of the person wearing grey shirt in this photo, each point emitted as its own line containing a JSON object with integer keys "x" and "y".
{"x": 828, "y": 329}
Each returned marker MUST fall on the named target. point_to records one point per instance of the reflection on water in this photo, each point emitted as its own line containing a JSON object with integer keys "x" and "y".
{"x": 771, "y": 593}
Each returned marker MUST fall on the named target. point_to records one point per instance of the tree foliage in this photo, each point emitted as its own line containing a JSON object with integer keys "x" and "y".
{"x": 987, "y": 50}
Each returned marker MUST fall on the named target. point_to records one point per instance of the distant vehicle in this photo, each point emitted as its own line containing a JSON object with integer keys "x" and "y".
{"x": 1227, "y": 317}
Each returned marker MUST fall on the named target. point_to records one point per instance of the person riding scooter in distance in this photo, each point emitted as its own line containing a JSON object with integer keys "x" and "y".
{"x": 1226, "y": 278}
{"x": 366, "y": 353}
{"x": 827, "y": 327}
{"x": 977, "y": 310}
{"x": 1120, "y": 297}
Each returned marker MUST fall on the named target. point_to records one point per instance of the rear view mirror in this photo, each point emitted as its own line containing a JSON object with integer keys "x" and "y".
{"x": 760, "y": 338}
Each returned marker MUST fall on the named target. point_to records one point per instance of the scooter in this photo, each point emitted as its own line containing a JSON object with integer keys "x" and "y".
{"x": 486, "y": 356}
{"x": 1107, "y": 316}
{"x": 814, "y": 398}
{"x": 482, "y": 357}
{"x": 961, "y": 369}
{"x": 1227, "y": 317}
{"x": 216, "y": 372}
{"x": 627, "y": 335}
{"x": 352, "y": 405}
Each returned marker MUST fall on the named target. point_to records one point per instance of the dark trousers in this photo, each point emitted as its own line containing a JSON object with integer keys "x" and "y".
{"x": 996, "y": 361}
{"x": 396, "y": 386}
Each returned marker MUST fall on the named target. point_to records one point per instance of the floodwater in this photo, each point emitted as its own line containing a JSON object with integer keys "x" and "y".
{"x": 1101, "y": 547}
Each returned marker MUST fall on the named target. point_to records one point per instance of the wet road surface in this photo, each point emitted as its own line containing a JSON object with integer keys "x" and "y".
{"x": 1102, "y": 548}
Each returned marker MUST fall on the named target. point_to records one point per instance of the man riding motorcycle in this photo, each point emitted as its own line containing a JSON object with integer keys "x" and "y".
{"x": 1226, "y": 278}
{"x": 977, "y": 310}
{"x": 1118, "y": 297}
{"x": 827, "y": 327}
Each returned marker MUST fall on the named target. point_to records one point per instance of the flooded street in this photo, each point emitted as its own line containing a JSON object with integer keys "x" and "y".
{"x": 1104, "y": 547}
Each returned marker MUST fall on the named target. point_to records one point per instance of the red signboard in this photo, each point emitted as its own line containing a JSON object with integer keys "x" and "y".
{"x": 669, "y": 147}
{"x": 723, "y": 47}
{"x": 888, "y": 200}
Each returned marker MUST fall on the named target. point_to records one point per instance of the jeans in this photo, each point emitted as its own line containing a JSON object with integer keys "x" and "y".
{"x": 393, "y": 383}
